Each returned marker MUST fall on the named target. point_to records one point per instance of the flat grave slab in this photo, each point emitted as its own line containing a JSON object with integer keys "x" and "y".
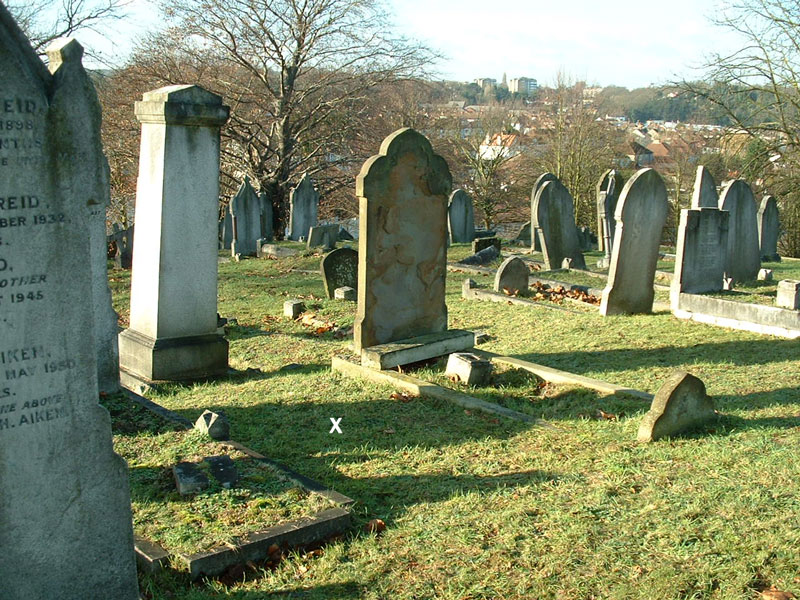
{"x": 403, "y": 352}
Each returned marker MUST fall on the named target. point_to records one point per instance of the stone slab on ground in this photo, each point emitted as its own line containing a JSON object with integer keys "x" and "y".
{"x": 403, "y": 352}
{"x": 758, "y": 318}
{"x": 223, "y": 469}
{"x": 482, "y": 257}
{"x": 189, "y": 478}
{"x": 485, "y": 242}
{"x": 150, "y": 557}
{"x": 681, "y": 404}
{"x": 469, "y": 291}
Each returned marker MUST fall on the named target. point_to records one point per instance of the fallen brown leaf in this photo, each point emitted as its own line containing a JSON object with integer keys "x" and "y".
{"x": 607, "y": 416}
{"x": 774, "y": 594}
{"x": 375, "y": 526}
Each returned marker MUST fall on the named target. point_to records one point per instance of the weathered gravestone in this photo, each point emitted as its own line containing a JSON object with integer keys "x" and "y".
{"x": 608, "y": 189}
{"x": 512, "y": 277}
{"x": 681, "y": 404}
{"x": 769, "y": 228}
{"x": 246, "y": 217}
{"x": 479, "y": 244}
{"x": 704, "y": 194}
{"x": 65, "y": 514}
{"x": 700, "y": 252}
{"x": 173, "y": 320}
{"x": 339, "y": 269}
{"x": 460, "y": 217}
{"x": 402, "y": 260}
{"x": 554, "y": 219}
{"x": 266, "y": 216}
{"x": 536, "y": 243}
{"x": 323, "y": 235}
{"x": 788, "y": 294}
{"x": 743, "y": 256}
{"x": 641, "y": 213}
{"x": 123, "y": 239}
{"x": 303, "y": 203}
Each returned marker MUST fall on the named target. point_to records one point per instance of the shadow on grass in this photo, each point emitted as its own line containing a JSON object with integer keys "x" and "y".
{"x": 332, "y": 591}
{"x": 253, "y": 374}
{"x": 750, "y": 352}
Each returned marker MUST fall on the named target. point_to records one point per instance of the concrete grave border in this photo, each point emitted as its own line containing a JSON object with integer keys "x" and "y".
{"x": 758, "y": 318}
{"x": 254, "y": 546}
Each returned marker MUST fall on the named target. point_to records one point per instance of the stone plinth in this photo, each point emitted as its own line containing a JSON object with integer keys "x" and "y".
{"x": 173, "y": 322}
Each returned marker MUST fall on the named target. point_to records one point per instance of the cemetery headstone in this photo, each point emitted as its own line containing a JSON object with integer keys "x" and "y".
{"x": 700, "y": 252}
{"x": 769, "y": 228}
{"x": 482, "y": 257}
{"x": 680, "y": 405}
{"x": 524, "y": 234}
{"x": 744, "y": 255}
{"x": 303, "y": 203}
{"x": 226, "y": 228}
{"x": 536, "y": 244}
{"x": 512, "y": 277}
{"x": 64, "y": 499}
{"x": 554, "y": 218}
{"x": 265, "y": 203}
{"x": 322, "y": 235}
{"x": 608, "y": 189}
{"x": 641, "y": 213}
{"x": 123, "y": 240}
{"x": 788, "y": 295}
{"x": 482, "y": 243}
{"x": 339, "y": 269}
{"x": 460, "y": 217}
{"x": 173, "y": 319}
{"x": 704, "y": 194}
{"x": 215, "y": 425}
{"x": 247, "y": 222}
{"x": 765, "y": 275}
{"x": 402, "y": 259}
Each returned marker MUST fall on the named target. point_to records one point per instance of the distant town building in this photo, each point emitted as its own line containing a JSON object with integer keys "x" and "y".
{"x": 499, "y": 145}
{"x": 523, "y": 85}
{"x": 484, "y": 82}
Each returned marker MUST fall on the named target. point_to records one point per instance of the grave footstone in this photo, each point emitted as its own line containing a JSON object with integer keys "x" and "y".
{"x": 460, "y": 217}
{"x": 303, "y": 202}
{"x": 339, "y": 268}
{"x": 215, "y": 425}
{"x": 554, "y": 218}
{"x": 402, "y": 259}
{"x": 64, "y": 500}
{"x": 744, "y": 255}
{"x": 173, "y": 319}
{"x": 189, "y": 478}
{"x": 247, "y": 220}
{"x": 345, "y": 293}
{"x": 700, "y": 253}
{"x": 769, "y": 229}
{"x": 512, "y": 277}
{"x": 704, "y": 194}
{"x": 223, "y": 469}
{"x": 680, "y": 405}
{"x": 788, "y": 295}
{"x": 607, "y": 193}
{"x": 765, "y": 275}
{"x": 640, "y": 215}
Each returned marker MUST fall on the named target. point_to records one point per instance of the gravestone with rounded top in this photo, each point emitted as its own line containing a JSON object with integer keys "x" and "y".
{"x": 460, "y": 217}
{"x": 402, "y": 241}
{"x": 640, "y": 215}
{"x": 303, "y": 203}
{"x": 607, "y": 193}
{"x": 65, "y": 511}
{"x": 769, "y": 228}
{"x": 247, "y": 223}
{"x": 704, "y": 194}
{"x": 554, "y": 220}
{"x": 339, "y": 269}
{"x": 536, "y": 244}
{"x": 512, "y": 277}
{"x": 744, "y": 256}
{"x": 173, "y": 320}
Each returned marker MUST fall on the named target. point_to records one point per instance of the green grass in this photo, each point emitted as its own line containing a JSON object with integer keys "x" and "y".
{"x": 262, "y": 498}
{"x": 480, "y": 507}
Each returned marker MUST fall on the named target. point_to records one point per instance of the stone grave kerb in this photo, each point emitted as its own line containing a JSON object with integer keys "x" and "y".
{"x": 383, "y": 194}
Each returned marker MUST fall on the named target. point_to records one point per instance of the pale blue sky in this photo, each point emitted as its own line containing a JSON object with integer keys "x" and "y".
{"x": 603, "y": 42}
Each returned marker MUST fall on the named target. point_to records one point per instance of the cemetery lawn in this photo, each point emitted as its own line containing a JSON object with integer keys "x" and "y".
{"x": 215, "y": 517}
{"x": 481, "y": 507}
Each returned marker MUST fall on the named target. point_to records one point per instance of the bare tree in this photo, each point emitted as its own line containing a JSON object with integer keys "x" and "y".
{"x": 758, "y": 89}
{"x": 296, "y": 73}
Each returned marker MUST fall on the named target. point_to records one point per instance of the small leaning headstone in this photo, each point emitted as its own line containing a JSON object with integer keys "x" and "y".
{"x": 215, "y": 425}
{"x": 512, "y": 277}
{"x": 680, "y": 405}
{"x": 339, "y": 268}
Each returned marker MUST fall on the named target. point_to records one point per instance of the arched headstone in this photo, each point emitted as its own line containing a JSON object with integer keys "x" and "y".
{"x": 339, "y": 269}
{"x": 460, "y": 217}
{"x": 769, "y": 229}
{"x": 246, "y": 210}
{"x": 744, "y": 256}
{"x": 554, "y": 221}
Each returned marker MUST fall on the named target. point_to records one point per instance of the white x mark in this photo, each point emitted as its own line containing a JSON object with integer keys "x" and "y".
{"x": 335, "y": 425}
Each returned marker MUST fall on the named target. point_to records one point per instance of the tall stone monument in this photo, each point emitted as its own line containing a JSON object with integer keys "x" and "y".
{"x": 554, "y": 220}
{"x": 246, "y": 220}
{"x": 402, "y": 244}
{"x": 609, "y": 185}
{"x": 460, "y": 218}
{"x": 65, "y": 514}
{"x": 173, "y": 323}
{"x": 704, "y": 194}
{"x": 303, "y": 204}
{"x": 744, "y": 255}
{"x": 265, "y": 202}
{"x": 769, "y": 229}
{"x": 641, "y": 213}
{"x": 700, "y": 253}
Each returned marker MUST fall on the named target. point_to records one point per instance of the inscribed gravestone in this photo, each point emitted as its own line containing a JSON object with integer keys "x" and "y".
{"x": 460, "y": 217}
{"x": 700, "y": 252}
{"x": 704, "y": 194}
{"x": 512, "y": 277}
{"x": 611, "y": 181}
{"x": 266, "y": 216}
{"x": 769, "y": 229}
{"x": 173, "y": 319}
{"x": 303, "y": 202}
{"x": 322, "y": 235}
{"x": 402, "y": 260}
{"x": 536, "y": 244}
{"x": 554, "y": 219}
{"x": 247, "y": 223}
{"x": 64, "y": 501}
{"x": 640, "y": 215}
{"x": 743, "y": 257}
